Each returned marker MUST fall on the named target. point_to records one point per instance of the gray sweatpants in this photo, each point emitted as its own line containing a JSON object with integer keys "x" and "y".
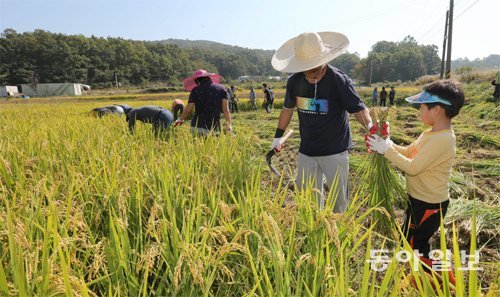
{"x": 336, "y": 170}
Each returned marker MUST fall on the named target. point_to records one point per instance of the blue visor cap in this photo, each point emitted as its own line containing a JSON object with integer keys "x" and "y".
{"x": 425, "y": 97}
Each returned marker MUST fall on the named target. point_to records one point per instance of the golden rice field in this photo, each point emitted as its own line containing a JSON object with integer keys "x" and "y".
{"x": 86, "y": 209}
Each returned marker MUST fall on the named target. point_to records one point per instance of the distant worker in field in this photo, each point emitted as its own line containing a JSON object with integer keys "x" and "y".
{"x": 392, "y": 95}
{"x": 126, "y": 108}
{"x": 252, "y": 98}
{"x": 496, "y": 84}
{"x": 375, "y": 97}
{"x": 323, "y": 96}
{"x": 383, "y": 96}
{"x": 271, "y": 93}
{"x": 427, "y": 163}
{"x": 234, "y": 100}
{"x": 99, "y": 112}
{"x": 108, "y": 110}
{"x": 268, "y": 97}
{"x": 209, "y": 99}
{"x": 229, "y": 102}
{"x": 158, "y": 116}
{"x": 177, "y": 108}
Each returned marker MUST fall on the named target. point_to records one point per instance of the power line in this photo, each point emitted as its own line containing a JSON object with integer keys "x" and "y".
{"x": 351, "y": 21}
{"x": 379, "y": 14}
{"x": 441, "y": 29}
{"x": 373, "y": 16}
{"x": 430, "y": 29}
{"x": 417, "y": 16}
{"x": 438, "y": 21}
{"x": 466, "y": 9}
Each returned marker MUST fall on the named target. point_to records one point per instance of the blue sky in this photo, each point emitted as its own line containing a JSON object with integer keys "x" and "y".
{"x": 265, "y": 24}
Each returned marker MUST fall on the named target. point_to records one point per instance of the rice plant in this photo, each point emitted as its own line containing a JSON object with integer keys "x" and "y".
{"x": 380, "y": 182}
{"x": 86, "y": 209}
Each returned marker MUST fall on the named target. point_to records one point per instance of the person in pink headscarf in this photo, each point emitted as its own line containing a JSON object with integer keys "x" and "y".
{"x": 209, "y": 99}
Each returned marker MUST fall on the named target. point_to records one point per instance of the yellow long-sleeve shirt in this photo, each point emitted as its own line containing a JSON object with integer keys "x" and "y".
{"x": 427, "y": 163}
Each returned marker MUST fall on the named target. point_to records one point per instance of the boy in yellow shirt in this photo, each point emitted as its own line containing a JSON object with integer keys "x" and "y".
{"x": 427, "y": 162}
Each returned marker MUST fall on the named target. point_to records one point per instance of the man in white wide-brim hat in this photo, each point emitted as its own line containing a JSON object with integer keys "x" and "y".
{"x": 323, "y": 96}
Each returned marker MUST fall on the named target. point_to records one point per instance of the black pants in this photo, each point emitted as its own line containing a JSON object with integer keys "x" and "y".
{"x": 496, "y": 93}
{"x": 421, "y": 222}
{"x": 391, "y": 100}
{"x": 382, "y": 101}
{"x": 268, "y": 104}
{"x": 233, "y": 106}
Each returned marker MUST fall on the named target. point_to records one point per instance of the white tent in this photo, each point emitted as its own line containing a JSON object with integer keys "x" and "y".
{"x": 53, "y": 89}
{"x": 5, "y": 90}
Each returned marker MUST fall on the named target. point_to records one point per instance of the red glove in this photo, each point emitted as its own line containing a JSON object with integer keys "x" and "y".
{"x": 385, "y": 130}
{"x": 372, "y": 130}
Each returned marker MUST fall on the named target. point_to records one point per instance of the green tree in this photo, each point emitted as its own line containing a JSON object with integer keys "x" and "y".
{"x": 346, "y": 62}
{"x": 391, "y": 61}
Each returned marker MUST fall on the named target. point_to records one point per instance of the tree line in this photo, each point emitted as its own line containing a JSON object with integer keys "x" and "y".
{"x": 489, "y": 62}
{"x": 42, "y": 57}
{"x": 392, "y": 61}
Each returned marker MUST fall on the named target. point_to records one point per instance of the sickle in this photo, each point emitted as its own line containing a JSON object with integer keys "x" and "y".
{"x": 272, "y": 152}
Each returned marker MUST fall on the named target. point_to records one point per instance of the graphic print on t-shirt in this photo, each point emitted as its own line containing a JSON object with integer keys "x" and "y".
{"x": 312, "y": 105}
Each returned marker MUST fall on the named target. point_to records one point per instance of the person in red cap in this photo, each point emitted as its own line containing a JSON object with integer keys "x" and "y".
{"x": 209, "y": 99}
{"x": 427, "y": 163}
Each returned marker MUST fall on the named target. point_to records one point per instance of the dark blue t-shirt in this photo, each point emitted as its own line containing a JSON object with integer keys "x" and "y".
{"x": 207, "y": 98}
{"x": 323, "y": 121}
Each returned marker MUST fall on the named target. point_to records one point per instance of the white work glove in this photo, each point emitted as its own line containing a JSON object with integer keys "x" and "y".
{"x": 379, "y": 144}
{"x": 276, "y": 145}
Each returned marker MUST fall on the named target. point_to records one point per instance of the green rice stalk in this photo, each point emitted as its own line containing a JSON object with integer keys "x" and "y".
{"x": 381, "y": 183}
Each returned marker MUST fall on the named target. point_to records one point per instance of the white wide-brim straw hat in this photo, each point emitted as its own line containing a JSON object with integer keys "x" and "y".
{"x": 308, "y": 51}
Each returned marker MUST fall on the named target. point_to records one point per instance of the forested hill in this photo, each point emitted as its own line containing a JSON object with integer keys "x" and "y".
{"x": 240, "y": 60}
{"x": 186, "y": 43}
{"x": 489, "y": 62}
{"x": 207, "y": 44}
{"x": 42, "y": 57}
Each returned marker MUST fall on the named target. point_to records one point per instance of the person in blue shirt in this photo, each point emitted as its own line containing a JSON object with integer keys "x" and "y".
{"x": 375, "y": 97}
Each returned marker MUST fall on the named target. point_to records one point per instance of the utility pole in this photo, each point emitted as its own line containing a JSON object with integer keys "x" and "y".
{"x": 444, "y": 45}
{"x": 450, "y": 32}
{"x": 371, "y": 70}
{"x": 116, "y": 80}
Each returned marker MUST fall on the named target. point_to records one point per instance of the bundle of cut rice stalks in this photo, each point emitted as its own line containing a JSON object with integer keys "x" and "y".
{"x": 379, "y": 182}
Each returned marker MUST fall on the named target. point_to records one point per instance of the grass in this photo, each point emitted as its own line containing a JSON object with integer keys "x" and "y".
{"x": 89, "y": 210}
